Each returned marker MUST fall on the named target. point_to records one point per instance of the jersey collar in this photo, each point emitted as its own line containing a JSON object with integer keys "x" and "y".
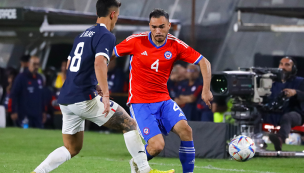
{"x": 150, "y": 39}
{"x": 101, "y": 24}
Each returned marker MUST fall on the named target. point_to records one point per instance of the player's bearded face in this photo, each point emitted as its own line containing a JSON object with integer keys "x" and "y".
{"x": 159, "y": 28}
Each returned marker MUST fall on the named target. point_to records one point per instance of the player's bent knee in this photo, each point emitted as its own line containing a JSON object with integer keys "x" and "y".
{"x": 129, "y": 124}
{"x": 285, "y": 118}
{"x": 156, "y": 146}
{"x": 74, "y": 150}
{"x": 186, "y": 133}
{"x": 121, "y": 121}
{"x": 188, "y": 130}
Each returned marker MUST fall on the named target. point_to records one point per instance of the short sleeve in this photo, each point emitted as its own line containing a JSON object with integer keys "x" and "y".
{"x": 125, "y": 47}
{"x": 188, "y": 54}
{"x": 105, "y": 46}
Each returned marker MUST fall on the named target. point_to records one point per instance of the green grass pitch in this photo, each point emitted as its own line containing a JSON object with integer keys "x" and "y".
{"x": 22, "y": 150}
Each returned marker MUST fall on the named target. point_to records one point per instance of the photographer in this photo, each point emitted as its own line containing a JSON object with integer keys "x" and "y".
{"x": 292, "y": 87}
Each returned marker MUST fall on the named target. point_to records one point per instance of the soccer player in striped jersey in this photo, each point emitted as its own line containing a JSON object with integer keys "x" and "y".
{"x": 152, "y": 57}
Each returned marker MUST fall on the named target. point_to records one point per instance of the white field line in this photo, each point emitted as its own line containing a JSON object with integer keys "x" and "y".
{"x": 199, "y": 167}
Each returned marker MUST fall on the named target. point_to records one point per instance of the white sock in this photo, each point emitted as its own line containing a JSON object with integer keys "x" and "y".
{"x": 56, "y": 158}
{"x": 137, "y": 150}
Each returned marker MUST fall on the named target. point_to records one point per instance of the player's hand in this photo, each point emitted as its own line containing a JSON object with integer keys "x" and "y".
{"x": 14, "y": 116}
{"x": 290, "y": 92}
{"x": 106, "y": 102}
{"x": 99, "y": 91}
{"x": 207, "y": 97}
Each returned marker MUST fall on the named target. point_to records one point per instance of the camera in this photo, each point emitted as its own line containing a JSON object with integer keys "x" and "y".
{"x": 248, "y": 87}
{"x": 249, "y": 83}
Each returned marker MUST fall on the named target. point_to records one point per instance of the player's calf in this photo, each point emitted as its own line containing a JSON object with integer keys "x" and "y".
{"x": 121, "y": 121}
{"x": 73, "y": 143}
{"x": 186, "y": 150}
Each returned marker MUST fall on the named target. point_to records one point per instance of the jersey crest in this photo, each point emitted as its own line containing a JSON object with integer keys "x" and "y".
{"x": 168, "y": 55}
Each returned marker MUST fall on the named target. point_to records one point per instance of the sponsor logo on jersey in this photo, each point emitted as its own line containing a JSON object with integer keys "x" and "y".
{"x": 168, "y": 55}
{"x": 146, "y": 131}
{"x": 144, "y": 53}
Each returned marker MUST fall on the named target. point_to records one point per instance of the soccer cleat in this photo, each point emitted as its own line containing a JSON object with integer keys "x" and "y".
{"x": 157, "y": 171}
{"x": 33, "y": 172}
{"x": 134, "y": 168}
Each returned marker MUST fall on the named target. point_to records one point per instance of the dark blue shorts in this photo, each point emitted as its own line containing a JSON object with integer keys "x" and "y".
{"x": 156, "y": 118}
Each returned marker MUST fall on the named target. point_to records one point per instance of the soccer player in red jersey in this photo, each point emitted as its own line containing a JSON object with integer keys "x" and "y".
{"x": 152, "y": 57}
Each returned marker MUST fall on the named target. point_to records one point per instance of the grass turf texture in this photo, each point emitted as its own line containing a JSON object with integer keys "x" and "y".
{"x": 22, "y": 150}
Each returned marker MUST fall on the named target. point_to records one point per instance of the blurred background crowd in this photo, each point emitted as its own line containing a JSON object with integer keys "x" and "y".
{"x": 30, "y": 93}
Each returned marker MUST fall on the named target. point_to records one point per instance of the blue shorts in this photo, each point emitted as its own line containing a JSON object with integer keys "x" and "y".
{"x": 156, "y": 118}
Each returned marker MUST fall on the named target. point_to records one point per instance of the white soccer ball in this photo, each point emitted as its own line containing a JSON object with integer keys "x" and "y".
{"x": 242, "y": 148}
{"x": 293, "y": 139}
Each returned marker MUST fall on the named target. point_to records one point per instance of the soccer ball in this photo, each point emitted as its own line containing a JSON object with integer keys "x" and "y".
{"x": 242, "y": 148}
{"x": 293, "y": 139}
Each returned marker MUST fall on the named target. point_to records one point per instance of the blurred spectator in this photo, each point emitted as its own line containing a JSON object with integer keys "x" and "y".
{"x": 51, "y": 76}
{"x": 189, "y": 91}
{"x": 292, "y": 86}
{"x": 61, "y": 76}
{"x": 203, "y": 111}
{"x": 220, "y": 105}
{"x": 27, "y": 103}
{"x": 11, "y": 74}
{"x": 115, "y": 78}
{"x": 3, "y": 84}
{"x": 24, "y": 61}
{"x": 177, "y": 75}
{"x": 54, "y": 115}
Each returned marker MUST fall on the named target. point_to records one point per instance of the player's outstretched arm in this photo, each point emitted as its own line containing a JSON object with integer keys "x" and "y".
{"x": 101, "y": 70}
{"x": 205, "y": 67}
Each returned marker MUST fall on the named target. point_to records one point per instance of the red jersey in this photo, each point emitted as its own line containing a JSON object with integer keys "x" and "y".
{"x": 151, "y": 65}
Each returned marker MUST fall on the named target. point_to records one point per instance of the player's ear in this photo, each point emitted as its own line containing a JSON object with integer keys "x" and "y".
{"x": 169, "y": 25}
{"x": 112, "y": 14}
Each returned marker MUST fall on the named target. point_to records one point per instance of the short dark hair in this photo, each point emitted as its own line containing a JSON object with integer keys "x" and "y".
{"x": 25, "y": 58}
{"x": 157, "y": 13}
{"x": 103, "y": 6}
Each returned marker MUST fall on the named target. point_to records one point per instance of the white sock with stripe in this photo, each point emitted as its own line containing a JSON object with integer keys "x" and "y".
{"x": 137, "y": 150}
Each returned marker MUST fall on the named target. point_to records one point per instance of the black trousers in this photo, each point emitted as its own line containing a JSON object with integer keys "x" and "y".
{"x": 288, "y": 121}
